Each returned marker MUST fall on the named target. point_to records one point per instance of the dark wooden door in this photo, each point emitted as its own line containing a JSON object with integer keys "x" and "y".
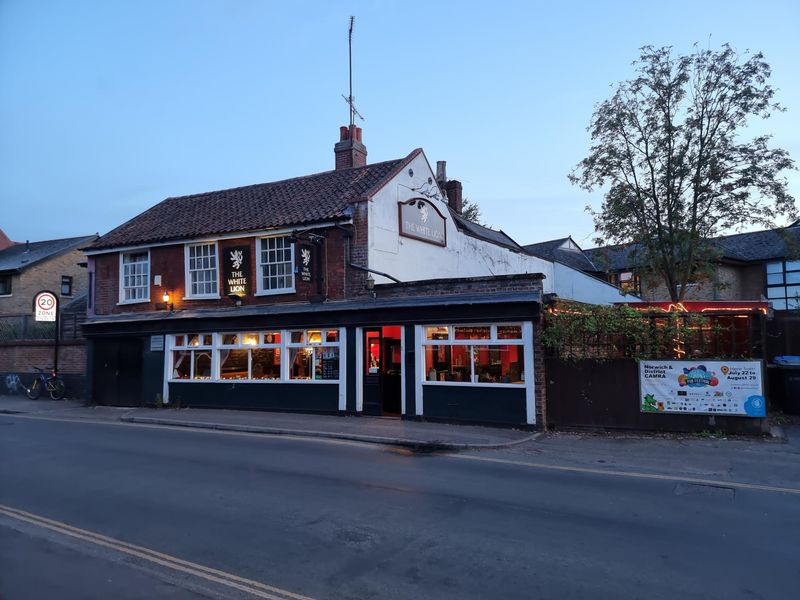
{"x": 117, "y": 372}
{"x": 373, "y": 372}
{"x": 391, "y": 372}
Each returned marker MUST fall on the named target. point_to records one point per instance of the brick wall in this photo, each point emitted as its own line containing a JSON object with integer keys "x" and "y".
{"x": 731, "y": 282}
{"x": 168, "y": 261}
{"x": 45, "y": 275}
{"x": 528, "y": 282}
{"x": 356, "y": 279}
{"x": 540, "y": 376}
{"x": 22, "y": 356}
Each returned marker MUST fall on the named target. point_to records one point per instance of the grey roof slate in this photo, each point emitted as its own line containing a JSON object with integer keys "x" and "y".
{"x": 551, "y": 250}
{"x": 301, "y": 200}
{"x": 753, "y": 246}
{"x": 22, "y": 256}
{"x": 484, "y": 233}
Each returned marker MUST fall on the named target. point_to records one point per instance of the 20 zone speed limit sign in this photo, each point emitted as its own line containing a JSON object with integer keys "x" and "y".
{"x": 45, "y": 305}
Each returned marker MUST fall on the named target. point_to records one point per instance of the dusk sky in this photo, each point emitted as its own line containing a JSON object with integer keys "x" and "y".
{"x": 108, "y": 107}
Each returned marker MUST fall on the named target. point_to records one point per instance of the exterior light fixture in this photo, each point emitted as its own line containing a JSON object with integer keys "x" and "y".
{"x": 167, "y": 304}
{"x": 371, "y": 285}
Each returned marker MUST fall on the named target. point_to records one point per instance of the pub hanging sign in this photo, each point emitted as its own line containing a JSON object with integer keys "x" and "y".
{"x": 306, "y": 262}
{"x": 236, "y": 271}
{"x": 421, "y": 220}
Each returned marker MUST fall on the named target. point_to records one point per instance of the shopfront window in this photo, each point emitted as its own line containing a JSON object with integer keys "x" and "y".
{"x": 266, "y": 363}
{"x": 451, "y": 355}
{"x": 191, "y": 356}
{"x": 314, "y": 354}
{"x": 304, "y": 355}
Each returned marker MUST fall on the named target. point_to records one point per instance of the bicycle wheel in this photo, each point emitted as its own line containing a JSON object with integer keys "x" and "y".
{"x": 57, "y": 388}
{"x": 35, "y": 390}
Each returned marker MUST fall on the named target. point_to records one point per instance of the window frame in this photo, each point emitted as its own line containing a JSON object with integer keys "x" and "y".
{"x": 122, "y": 263}
{"x": 285, "y": 345}
{"x": 782, "y": 300}
{"x": 10, "y": 278}
{"x": 187, "y": 273}
{"x": 493, "y": 340}
{"x": 260, "y": 289}
{"x": 66, "y": 280}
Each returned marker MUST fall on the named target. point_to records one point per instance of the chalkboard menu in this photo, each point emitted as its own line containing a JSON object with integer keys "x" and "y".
{"x": 328, "y": 363}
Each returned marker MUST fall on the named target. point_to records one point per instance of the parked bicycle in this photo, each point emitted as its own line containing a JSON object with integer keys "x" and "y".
{"x": 46, "y": 380}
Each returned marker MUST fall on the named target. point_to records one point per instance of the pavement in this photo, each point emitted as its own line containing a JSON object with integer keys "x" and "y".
{"x": 769, "y": 461}
{"x": 377, "y": 430}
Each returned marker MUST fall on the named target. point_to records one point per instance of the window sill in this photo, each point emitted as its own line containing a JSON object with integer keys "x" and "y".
{"x": 228, "y": 381}
{"x": 276, "y": 292}
{"x": 216, "y": 297}
{"x": 481, "y": 384}
{"x": 141, "y": 301}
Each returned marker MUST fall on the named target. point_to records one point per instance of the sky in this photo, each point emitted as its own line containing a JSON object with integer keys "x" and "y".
{"x": 107, "y": 108}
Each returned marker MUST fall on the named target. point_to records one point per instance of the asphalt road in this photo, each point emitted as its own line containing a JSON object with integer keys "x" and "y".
{"x": 276, "y": 516}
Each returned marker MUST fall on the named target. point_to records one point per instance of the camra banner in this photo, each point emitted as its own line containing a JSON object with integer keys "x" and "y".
{"x": 703, "y": 387}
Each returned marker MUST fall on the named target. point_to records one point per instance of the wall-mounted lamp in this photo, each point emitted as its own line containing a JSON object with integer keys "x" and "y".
{"x": 370, "y": 283}
{"x": 167, "y": 304}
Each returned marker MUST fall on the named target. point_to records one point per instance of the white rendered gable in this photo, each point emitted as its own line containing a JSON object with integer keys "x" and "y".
{"x": 409, "y": 259}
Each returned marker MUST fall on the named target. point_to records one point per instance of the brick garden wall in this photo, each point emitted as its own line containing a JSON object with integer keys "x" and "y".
{"x": 21, "y": 356}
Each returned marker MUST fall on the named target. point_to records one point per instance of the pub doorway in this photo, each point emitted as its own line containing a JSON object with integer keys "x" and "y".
{"x": 382, "y": 371}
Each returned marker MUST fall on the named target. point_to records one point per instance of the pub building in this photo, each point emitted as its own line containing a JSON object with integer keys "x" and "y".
{"x": 360, "y": 290}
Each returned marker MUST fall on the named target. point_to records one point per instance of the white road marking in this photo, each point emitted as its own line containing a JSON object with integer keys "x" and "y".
{"x": 242, "y": 584}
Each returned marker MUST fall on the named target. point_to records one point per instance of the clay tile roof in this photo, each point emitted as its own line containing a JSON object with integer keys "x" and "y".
{"x": 309, "y": 199}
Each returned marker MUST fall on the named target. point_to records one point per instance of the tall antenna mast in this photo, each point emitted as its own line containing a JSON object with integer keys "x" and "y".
{"x": 350, "y": 99}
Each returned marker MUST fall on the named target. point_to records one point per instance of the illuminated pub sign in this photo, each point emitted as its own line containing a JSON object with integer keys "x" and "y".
{"x": 306, "y": 262}
{"x": 236, "y": 271}
{"x": 421, "y": 220}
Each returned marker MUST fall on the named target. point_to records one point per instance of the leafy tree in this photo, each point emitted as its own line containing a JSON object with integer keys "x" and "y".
{"x": 471, "y": 211}
{"x": 668, "y": 145}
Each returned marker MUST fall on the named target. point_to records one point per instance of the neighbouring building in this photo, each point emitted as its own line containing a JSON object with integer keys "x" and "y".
{"x": 754, "y": 266}
{"x": 27, "y": 268}
{"x": 356, "y": 290}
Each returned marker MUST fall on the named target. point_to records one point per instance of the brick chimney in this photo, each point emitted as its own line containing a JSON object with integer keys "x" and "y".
{"x": 349, "y": 150}
{"x": 451, "y": 189}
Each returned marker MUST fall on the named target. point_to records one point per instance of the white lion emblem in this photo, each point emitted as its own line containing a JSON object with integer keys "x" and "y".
{"x": 237, "y": 258}
{"x": 305, "y": 254}
{"x": 423, "y": 211}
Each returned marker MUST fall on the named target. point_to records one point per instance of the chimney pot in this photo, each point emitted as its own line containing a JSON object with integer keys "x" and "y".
{"x": 349, "y": 150}
{"x": 441, "y": 172}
